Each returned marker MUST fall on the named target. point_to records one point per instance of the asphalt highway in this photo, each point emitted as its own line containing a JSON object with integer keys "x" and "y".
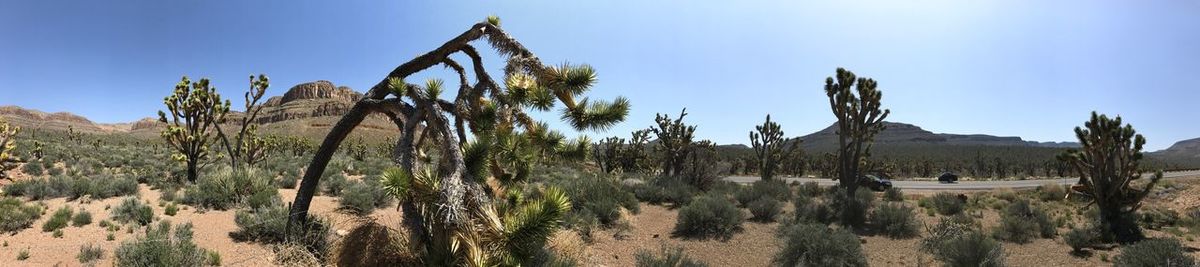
{"x": 962, "y": 185}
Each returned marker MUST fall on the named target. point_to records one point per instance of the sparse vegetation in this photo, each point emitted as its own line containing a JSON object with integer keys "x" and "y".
{"x": 83, "y": 217}
{"x": 894, "y": 220}
{"x": 1079, "y": 239}
{"x": 765, "y": 209}
{"x": 17, "y": 215}
{"x": 1154, "y": 252}
{"x": 89, "y": 253}
{"x": 709, "y": 217}
{"x": 59, "y": 220}
{"x": 133, "y": 210}
{"x": 944, "y": 203}
{"x": 957, "y": 242}
{"x": 1021, "y": 222}
{"x": 667, "y": 257}
{"x": 161, "y": 247}
{"x": 808, "y": 244}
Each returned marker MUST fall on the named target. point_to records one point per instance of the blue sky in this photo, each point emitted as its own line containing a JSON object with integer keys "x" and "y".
{"x": 1033, "y": 69}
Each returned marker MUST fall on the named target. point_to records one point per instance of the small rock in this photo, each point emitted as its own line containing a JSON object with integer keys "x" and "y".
{"x": 341, "y": 232}
{"x": 632, "y": 182}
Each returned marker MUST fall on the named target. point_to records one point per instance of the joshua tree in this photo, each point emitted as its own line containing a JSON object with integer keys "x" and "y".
{"x": 1107, "y": 165}
{"x": 37, "y": 150}
{"x": 74, "y": 135}
{"x": 614, "y": 153}
{"x": 247, "y": 147}
{"x": 195, "y": 109}
{"x": 859, "y": 118}
{"x": 465, "y": 207}
{"x": 8, "y": 160}
{"x": 770, "y": 147}
{"x": 674, "y": 141}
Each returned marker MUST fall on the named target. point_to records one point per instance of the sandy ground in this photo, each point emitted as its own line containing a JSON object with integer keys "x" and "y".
{"x": 755, "y": 245}
{"x": 211, "y": 231}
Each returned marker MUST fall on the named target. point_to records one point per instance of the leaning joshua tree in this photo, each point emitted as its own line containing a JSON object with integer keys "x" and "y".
{"x": 858, "y": 120}
{"x": 1107, "y": 165}
{"x": 195, "y": 109}
{"x": 8, "y": 160}
{"x": 464, "y": 206}
{"x": 770, "y": 147}
{"x": 247, "y": 147}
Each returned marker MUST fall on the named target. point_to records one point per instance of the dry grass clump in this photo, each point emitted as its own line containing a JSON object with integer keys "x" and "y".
{"x": 567, "y": 245}
{"x": 373, "y": 244}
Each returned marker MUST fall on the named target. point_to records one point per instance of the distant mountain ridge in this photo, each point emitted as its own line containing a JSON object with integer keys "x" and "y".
{"x": 908, "y": 134}
{"x": 1186, "y": 152}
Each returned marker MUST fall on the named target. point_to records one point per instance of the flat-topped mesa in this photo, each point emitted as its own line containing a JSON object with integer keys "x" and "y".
{"x": 321, "y": 89}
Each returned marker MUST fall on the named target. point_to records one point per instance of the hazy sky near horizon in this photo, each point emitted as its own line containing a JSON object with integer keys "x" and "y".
{"x": 1034, "y": 69}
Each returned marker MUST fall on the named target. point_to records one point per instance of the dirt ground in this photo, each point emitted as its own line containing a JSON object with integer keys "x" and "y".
{"x": 650, "y": 229}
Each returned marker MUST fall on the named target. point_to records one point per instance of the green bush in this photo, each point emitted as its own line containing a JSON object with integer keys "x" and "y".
{"x": 83, "y": 217}
{"x": 32, "y": 169}
{"x": 59, "y": 220}
{"x": 132, "y": 210}
{"x": 1080, "y": 238}
{"x": 14, "y": 215}
{"x": 894, "y": 220}
{"x": 851, "y": 210}
{"x": 811, "y": 189}
{"x": 600, "y": 196}
{"x": 1021, "y": 222}
{"x": 333, "y": 185}
{"x": 708, "y": 217}
{"x": 161, "y": 248}
{"x": 269, "y": 224}
{"x": 776, "y": 189}
{"x": 227, "y": 188}
{"x": 363, "y": 198}
{"x": 1157, "y": 218}
{"x": 807, "y": 244}
{"x": 666, "y": 190}
{"x": 811, "y": 210}
{"x": 62, "y": 186}
{"x": 765, "y": 209}
{"x": 944, "y": 203}
{"x": 171, "y": 209}
{"x": 263, "y": 198}
{"x": 288, "y": 181}
{"x": 1154, "y": 252}
{"x": 957, "y": 243}
{"x": 89, "y": 253}
{"x": 893, "y": 194}
{"x": 668, "y": 257}
{"x": 1051, "y": 192}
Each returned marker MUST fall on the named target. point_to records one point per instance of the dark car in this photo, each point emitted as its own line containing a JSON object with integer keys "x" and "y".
{"x": 948, "y": 177}
{"x": 875, "y": 183}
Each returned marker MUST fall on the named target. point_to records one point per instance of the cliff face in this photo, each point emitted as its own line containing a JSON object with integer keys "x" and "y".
{"x": 34, "y": 119}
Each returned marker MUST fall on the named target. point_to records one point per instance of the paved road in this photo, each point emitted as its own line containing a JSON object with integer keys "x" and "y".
{"x": 962, "y": 185}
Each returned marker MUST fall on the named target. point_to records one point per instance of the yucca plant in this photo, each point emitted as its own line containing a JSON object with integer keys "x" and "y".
{"x": 1108, "y": 164}
{"x": 195, "y": 109}
{"x": 8, "y": 136}
{"x": 770, "y": 147}
{"x": 464, "y": 204}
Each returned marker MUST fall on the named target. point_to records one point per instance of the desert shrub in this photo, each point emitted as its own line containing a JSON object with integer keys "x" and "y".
{"x": 960, "y": 244}
{"x": 666, "y": 190}
{"x": 171, "y": 209}
{"x": 776, "y": 189}
{"x": 132, "y": 210}
{"x": 667, "y": 257}
{"x": 54, "y": 171}
{"x": 1051, "y": 192}
{"x": 33, "y": 169}
{"x": 23, "y": 254}
{"x": 226, "y": 188}
{"x": 807, "y": 244}
{"x": 269, "y": 224}
{"x": 263, "y": 198}
{"x": 893, "y": 194}
{"x": 59, "y": 220}
{"x": 362, "y": 198}
{"x": 1021, "y": 222}
{"x": 812, "y": 210}
{"x": 212, "y": 258}
{"x": 333, "y": 184}
{"x": 765, "y": 209}
{"x": 89, "y": 253}
{"x": 288, "y": 180}
{"x": 708, "y": 217}
{"x": 15, "y": 215}
{"x": 83, "y": 217}
{"x": 599, "y": 196}
{"x": 944, "y": 203}
{"x": 115, "y": 186}
{"x": 811, "y": 189}
{"x": 851, "y": 210}
{"x": 159, "y": 247}
{"x": 1080, "y": 238}
{"x": 894, "y": 220}
{"x": 1157, "y": 218}
{"x": 1154, "y": 252}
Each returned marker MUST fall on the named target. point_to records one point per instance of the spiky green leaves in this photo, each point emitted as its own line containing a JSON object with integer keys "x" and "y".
{"x": 528, "y": 226}
{"x": 598, "y": 115}
{"x": 493, "y": 20}
{"x": 433, "y": 88}
{"x": 397, "y": 86}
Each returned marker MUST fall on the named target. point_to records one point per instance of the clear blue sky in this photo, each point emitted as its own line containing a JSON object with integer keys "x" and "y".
{"x": 1033, "y": 69}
